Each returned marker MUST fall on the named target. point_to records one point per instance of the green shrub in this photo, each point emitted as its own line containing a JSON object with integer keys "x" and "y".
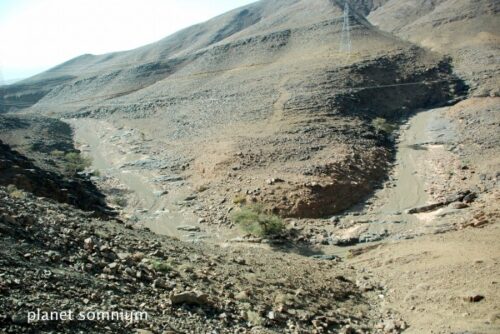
{"x": 254, "y": 220}
{"x": 74, "y": 162}
{"x": 57, "y": 154}
{"x": 382, "y": 125}
{"x": 161, "y": 266}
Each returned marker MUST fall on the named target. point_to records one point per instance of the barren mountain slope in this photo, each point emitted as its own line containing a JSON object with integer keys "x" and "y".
{"x": 269, "y": 82}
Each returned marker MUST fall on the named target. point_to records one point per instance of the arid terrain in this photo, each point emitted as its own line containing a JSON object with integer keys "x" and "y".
{"x": 122, "y": 176}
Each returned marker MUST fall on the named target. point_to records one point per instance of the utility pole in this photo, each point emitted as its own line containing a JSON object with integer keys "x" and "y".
{"x": 345, "y": 39}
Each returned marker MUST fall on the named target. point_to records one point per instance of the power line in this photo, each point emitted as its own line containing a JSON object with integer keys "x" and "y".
{"x": 345, "y": 39}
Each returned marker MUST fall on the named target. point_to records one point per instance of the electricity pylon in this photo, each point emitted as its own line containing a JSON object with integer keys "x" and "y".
{"x": 345, "y": 39}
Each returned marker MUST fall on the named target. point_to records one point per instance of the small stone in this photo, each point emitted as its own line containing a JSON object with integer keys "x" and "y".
{"x": 53, "y": 255}
{"x": 458, "y": 205}
{"x": 190, "y": 298}
{"x": 138, "y": 256}
{"x": 129, "y": 271}
{"x": 159, "y": 283}
{"x": 242, "y": 295}
{"x": 142, "y": 331}
{"x": 89, "y": 244}
{"x": 473, "y": 297}
{"x": 123, "y": 255}
{"x": 274, "y": 181}
{"x": 189, "y": 228}
{"x": 470, "y": 198}
{"x": 19, "y": 319}
{"x": 325, "y": 257}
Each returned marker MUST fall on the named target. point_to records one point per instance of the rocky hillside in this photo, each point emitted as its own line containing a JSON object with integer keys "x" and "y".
{"x": 52, "y": 253}
{"x": 256, "y": 117}
{"x": 20, "y": 173}
{"x": 267, "y": 80}
{"x": 465, "y": 30}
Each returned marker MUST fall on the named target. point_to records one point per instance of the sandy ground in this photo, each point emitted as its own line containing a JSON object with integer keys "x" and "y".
{"x": 159, "y": 206}
{"x": 428, "y": 279}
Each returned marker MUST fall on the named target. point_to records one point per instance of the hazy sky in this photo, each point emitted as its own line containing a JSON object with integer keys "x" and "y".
{"x": 38, "y": 34}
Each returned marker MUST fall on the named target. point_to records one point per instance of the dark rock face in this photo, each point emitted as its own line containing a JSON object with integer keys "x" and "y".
{"x": 17, "y": 170}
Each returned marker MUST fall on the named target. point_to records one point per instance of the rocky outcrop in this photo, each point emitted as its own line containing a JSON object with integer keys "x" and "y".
{"x": 20, "y": 172}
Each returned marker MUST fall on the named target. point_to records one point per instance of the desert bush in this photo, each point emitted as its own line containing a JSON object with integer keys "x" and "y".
{"x": 382, "y": 125}
{"x": 14, "y": 192}
{"x": 57, "y": 154}
{"x": 161, "y": 266}
{"x": 254, "y": 220}
{"x": 74, "y": 162}
{"x": 120, "y": 201}
{"x": 239, "y": 199}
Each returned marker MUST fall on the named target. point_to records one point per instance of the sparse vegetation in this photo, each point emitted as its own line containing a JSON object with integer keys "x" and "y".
{"x": 120, "y": 201}
{"x": 381, "y": 125}
{"x": 14, "y": 192}
{"x": 161, "y": 266}
{"x": 57, "y": 154}
{"x": 254, "y": 220}
{"x": 239, "y": 199}
{"x": 73, "y": 162}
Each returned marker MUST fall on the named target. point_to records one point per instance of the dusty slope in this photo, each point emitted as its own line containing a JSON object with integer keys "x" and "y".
{"x": 431, "y": 279}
